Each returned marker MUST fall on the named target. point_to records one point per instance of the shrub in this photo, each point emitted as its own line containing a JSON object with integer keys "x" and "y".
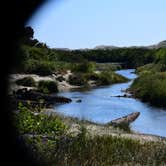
{"x": 108, "y": 66}
{"x": 42, "y": 68}
{"x": 92, "y": 76}
{"x": 26, "y": 81}
{"x": 26, "y": 122}
{"x": 47, "y": 87}
{"x": 151, "y": 88}
{"x": 77, "y": 79}
{"x": 105, "y": 78}
{"x": 60, "y": 78}
{"x": 85, "y": 67}
{"x": 109, "y": 77}
{"x": 151, "y": 68}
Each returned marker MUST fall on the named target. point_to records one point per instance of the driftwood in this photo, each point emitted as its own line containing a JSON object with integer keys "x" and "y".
{"x": 125, "y": 95}
{"x": 125, "y": 119}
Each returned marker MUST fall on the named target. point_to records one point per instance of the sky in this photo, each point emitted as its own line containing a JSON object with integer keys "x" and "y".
{"x": 78, "y": 24}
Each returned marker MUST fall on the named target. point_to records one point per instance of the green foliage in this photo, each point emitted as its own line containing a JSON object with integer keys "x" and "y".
{"x": 84, "y": 67}
{"x": 36, "y": 57}
{"x": 109, "y": 77}
{"x": 92, "y": 76}
{"x": 131, "y": 57}
{"x": 26, "y": 122}
{"x": 102, "y": 78}
{"x": 47, "y": 87}
{"x": 26, "y": 81}
{"x": 77, "y": 79}
{"x": 152, "y": 68}
{"x": 42, "y": 68}
{"x": 160, "y": 56}
{"x": 107, "y": 66}
{"x": 151, "y": 87}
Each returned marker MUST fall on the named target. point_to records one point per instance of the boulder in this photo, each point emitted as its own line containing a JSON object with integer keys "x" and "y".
{"x": 79, "y": 101}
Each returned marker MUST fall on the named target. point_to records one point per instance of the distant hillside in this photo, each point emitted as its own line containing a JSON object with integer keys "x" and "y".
{"x": 104, "y": 47}
{"x": 161, "y": 44}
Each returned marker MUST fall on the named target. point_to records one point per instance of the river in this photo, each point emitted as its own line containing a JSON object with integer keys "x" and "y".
{"x": 99, "y": 105}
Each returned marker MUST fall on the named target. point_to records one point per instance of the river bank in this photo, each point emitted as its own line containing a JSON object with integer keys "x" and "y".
{"x": 62, "y": 85}
{"x": 96, "y": 129}
{"x": 101, "y": 104}
{"x": 54, "y": 136}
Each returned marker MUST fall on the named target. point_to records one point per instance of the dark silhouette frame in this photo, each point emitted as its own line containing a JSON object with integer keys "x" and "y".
{"x": 14, "y": 15}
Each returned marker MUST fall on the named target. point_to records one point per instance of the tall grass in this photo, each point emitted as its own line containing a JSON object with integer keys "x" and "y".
{"x": 99, "y": 150}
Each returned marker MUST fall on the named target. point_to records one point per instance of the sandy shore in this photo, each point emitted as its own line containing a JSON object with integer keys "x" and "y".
{"x": 62, "y": 86}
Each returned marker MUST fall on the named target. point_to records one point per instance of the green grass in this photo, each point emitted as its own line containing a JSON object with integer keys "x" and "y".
{"x": 50, "y": 144}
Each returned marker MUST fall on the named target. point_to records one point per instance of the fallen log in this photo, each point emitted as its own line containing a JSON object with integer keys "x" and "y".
{"x": 125, "y": 95}
{"x": 125, "y": 119}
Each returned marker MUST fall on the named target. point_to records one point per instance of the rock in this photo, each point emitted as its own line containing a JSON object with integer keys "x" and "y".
{"x": 125, "y": 95}
{"x": 79, "y": 101}
{"x": 32, "y": 95}
{"x": 60, "y": 78}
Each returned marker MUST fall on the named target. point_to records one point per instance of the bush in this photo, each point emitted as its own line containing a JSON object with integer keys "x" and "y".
{"x": 108, "y": 66}
{"x": 85, "y": 67}
{"x": 47, "y": 87}
{"x": 103, "y": 78}
{"x": 151, "y": 88}
{"x": 109, "y": 77}
{"x": 92, "y": 76}
{"x": 26, "y": 81}
{"x": 151, "y": 68}
{"x": 77, "y": 79}
{"x": 60, "y": 78}
{"x": 42, "y": 68}
{"x": 26, "y": 122}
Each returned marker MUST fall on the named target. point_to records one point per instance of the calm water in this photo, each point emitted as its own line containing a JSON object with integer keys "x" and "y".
{"x": 98, "y": 105}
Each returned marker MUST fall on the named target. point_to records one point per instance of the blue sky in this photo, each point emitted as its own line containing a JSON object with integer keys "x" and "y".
{"x": 87, "y": 23}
